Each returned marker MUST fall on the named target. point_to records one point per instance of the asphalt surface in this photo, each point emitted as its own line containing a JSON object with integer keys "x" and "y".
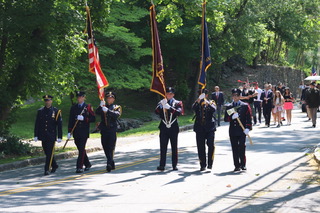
{"x": 282, "y": 176}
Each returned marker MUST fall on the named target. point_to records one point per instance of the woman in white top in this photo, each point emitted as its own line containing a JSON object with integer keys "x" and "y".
{"x": 278, "y": 102}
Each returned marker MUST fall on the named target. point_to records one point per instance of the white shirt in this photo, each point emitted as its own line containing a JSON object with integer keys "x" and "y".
{"x": 259, "y": 91}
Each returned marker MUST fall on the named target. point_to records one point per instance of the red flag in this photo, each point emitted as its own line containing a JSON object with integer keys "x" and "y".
{"x": 94, "y": 61}
{"x": 157, "y": 84}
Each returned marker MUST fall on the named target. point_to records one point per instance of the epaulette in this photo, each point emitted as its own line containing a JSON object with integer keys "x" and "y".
{"x": 118, "y": 108}
{"x": 213, "y": 102}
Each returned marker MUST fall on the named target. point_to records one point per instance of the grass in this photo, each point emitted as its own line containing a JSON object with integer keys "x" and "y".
{"x": 135, "y": 105}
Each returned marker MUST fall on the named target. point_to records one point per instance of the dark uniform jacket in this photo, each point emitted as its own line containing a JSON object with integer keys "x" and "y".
{"x": 269, "y": 95}
{"x": 109, "y": 119}
{"x": 204, "y": 114}
{"x": 48, "y": 122}
{"x": 244, "y": 112}
{"x": 83, "y": 127}
{"x": 175, "y": 110}
{"x": 219, "y": 100}
{"x": 312, "y": 98}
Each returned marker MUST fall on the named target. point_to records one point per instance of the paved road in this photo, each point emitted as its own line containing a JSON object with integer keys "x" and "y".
{"x": 280, "y": 178}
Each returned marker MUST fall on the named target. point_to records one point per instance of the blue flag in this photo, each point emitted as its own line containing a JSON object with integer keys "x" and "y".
{"x": 205, "y": 61}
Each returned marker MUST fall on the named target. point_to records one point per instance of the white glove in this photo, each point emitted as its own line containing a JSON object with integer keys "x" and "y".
{"x": 102, "y": 103}
{"x": 59, "y": 140}
{"x": 80, "y": 118}
{"x": 105, "y": 109}
{"x": 202, "y": 96}
{"x": 163, "y": 101}
{"x": 69, "y": 135}
{"x": 246, "y": 131}
{"x": 166, "y": 106}
{"x": 35, "y": 139}
{"x": 235, "y": 116}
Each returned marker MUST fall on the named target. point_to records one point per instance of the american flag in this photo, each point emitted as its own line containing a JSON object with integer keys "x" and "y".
{"x": 313, "y": 71}
{"x": 94, "y": 61}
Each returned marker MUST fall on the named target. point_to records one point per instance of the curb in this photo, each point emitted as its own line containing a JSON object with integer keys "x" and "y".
{"x": 66, "y": 155}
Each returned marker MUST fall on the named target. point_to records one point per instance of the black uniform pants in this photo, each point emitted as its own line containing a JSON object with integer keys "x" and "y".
{"x": 204, "y": 138}
{"x": 165, "y": 135}
{"x": 108, "y": 141}
{"x": 238, "y": 145}
{"x": 267, "y": 114}
{"x": 47, "y": 146}
{"x": 257, "y": 109}
{"x": 82, "y": 156}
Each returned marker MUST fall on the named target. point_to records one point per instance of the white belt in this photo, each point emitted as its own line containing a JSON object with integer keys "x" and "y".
{"x": 170, "y": 122}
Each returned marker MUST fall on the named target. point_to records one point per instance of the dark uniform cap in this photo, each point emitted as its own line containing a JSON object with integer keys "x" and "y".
{"x": 313, "y": 83}
{"x": 170, "y": 90}
{"x": 47, "y": 97}
{"x": 111, "y": 94}
{"x": 80, "y": 93}
{"x": 236, "y": 90}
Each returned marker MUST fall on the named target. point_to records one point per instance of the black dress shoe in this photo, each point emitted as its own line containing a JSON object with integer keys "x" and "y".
{"x": 243, "y": 168}
{"x": 53, "y": 170}
{"x": 46, "y": 173}
{"x": 160, "y": 168}
{"x": 87, "y": 168}
{"x": 108, "y": 168}
{"x": 113, "y": 167}
{"x": 175, "y": 168}
{"x": 79, "y": 170}
{"x": 209, "y": 167}
{"x": 236, "y": 169}
{"x": 202, "y": 169}
{"x": 313, "y": 125}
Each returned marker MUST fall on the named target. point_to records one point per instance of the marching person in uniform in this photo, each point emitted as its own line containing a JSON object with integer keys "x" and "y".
{"x": 81, "y": 115}
{"x": 168, "y": 110}
{"x": 218, "y": 98}
{"x": 236, "y": 133}
{"x": 48, "y": 124}
{"x": 205, "y": 128}
{"x": 108, "y": 127}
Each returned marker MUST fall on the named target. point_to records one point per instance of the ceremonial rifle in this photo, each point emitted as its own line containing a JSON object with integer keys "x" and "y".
{"x": 230, "y": 112}
{"x": 73, "y": 128}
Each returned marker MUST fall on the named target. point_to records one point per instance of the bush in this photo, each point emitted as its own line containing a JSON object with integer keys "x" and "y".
{"x": 12, "y": 145}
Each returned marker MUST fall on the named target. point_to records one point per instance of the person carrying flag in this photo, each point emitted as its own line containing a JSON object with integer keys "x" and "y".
{"x": 108, "y": 127}
{"x": 205, "y": 127}
{"x": 169, "y": 109}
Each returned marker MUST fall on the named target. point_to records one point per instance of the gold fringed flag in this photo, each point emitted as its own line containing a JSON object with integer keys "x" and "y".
{"x": 157, "y": 84}
{"x": 205, "y": 61}
{"x": 94, "y": 61}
